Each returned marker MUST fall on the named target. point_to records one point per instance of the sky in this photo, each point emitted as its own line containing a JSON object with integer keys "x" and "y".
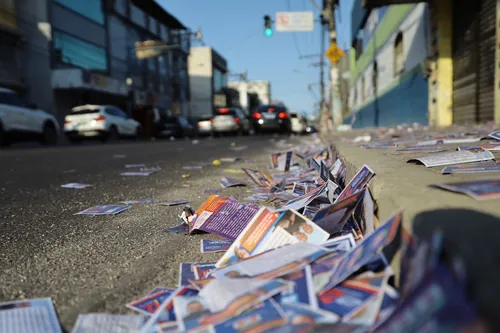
{"x": 235, "y": 29}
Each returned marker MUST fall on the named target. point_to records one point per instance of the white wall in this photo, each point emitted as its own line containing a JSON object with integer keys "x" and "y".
{"x": 415, "y": 29}
{"x": 200, "y": 80}
{"x": 262, "y": 89}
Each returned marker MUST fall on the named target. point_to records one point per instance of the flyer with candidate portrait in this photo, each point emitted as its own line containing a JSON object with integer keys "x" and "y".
{"x": 477, "y": 189}
{"x": 302, "y": 290}
{"x": 149, "y": 304}
{"x": 269, "y": 230}
{"x": 259, "y": 177}
{"x": 364, "y": 253}
{"x": 357, "y": 183}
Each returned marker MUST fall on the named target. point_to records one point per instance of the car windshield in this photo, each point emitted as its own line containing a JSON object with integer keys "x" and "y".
{"x": 84, "y": 111}
{"x": 293, "y": 115}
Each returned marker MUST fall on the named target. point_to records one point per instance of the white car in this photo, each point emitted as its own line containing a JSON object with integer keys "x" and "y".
{"x": 20, "y": 121}
{"x": 102, "y": 122}
{"x": 298, "y": 126}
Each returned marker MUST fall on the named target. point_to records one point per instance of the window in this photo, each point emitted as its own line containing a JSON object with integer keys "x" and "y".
{"x": 76, "y": 52}
{"x": 164, "y": 33}
{"x": 117, "y": 38}
{"x": 399, "y": 57}
{"x": 153, "y": 25}
{"x": 219, "y": 79}
{"x": 121, "y": 7}
{"x": 12, "y": 99}
{"x": 91, "y": 9}
{"x": 119, "y": 69}
{"x": 137, "y": 16}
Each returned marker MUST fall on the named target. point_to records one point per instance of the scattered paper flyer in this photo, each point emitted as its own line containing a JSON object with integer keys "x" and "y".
{"x": 119, "y": 156}
{"x": 75, "y": 185}
{"x": 224, "y": 216}
{"x": 212, "y": 191}
{"x": 192, "y": 167}
{"x": 149, "y": 304}
{"x": 455, "y": 157}
{"x": 226, "y": 182}
{"x": 182, "y": 228}
{"x": 142, "y": 201}
{"x": 358, "y": 183}
{"x": 282, "y": 161}
{"x": 477, "y": 189}
{"x": 482, "y": 167}
{"x": 31, "y": 315}
{"x": 132, "y": 166}
{"x": 215, "y": 245}
{"x": 229, "y": 159}
{"x": 258, "y": 177}
{"x": 174, "y": 203}
{"x": 104, "y": 210}
{"x": 138, "y": 173}
{"x": 238, "y": 148}
{"x": 108, "y": 323}
{"x": 269, "y": 230}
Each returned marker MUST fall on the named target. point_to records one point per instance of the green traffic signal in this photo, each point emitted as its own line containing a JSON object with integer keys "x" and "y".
{"x": 268, "y": 32}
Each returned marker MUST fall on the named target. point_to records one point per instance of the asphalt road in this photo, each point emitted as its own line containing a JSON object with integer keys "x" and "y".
{"x": 98, "y": 264}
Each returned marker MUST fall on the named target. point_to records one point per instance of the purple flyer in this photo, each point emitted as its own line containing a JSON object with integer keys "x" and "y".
{"x": 230, "y": 219}
{"x": 215, "y": 245}
{"x": 226, "y": 182}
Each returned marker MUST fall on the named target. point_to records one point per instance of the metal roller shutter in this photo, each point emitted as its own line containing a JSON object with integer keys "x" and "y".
{"x": 473, "y": 60}
{"x": 486, "y": 49}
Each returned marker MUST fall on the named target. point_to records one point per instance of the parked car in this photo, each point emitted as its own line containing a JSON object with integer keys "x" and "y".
{"x": 230, "y": 120}
{"x": 104, "y": 122}
{"x": 298, "y": 124}
{"x": 205, "y": 125}
{"x": 272, "y": 118}
{"x": 311, "y": 129}
{"x": 21, "y": 121}
{"x": 177, "y": 127}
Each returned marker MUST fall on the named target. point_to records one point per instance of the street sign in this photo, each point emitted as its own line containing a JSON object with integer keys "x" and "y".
{"x": 294, "y": 21}
{"x": 334, "y": 53}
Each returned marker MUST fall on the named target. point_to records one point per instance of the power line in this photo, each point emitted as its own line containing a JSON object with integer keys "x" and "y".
{"x": 294, "y": 34}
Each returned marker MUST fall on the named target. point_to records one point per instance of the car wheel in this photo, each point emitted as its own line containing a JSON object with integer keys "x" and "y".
{"x": 4, "y": 140}
{"x": 138, "y": 133}
{"x": 49, "y": 136}
{"x": 111, "y": 135}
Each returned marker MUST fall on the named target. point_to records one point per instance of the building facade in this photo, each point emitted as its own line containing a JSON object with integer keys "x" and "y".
{"x": 62, "y": 53}
{"x": 451, "y": 45}
{"x": 387, "y": 74}
{"x": 25, "y": 36}
{"x": 207, "y": 76}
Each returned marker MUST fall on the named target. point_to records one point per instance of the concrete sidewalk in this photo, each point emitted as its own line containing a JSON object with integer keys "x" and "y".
{"x": 398, "y": 184}
{"x": 470, "y": 227}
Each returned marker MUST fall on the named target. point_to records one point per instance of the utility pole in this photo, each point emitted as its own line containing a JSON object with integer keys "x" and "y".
{"x": 335, "y": 113}
{"x": 323, "y": 118}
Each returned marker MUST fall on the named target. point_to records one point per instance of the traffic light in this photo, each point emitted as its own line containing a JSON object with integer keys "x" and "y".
{"x": 268, "y": 29}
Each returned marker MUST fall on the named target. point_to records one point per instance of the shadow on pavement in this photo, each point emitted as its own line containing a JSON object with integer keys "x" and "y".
{"x": 474, "y": 237}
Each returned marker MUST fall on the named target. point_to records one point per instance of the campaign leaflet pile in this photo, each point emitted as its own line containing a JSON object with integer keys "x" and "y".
{"x": 304, "y": 253}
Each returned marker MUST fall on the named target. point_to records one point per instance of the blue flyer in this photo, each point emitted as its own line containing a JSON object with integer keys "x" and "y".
{"x": 303, "y": 289}
{"x": 346, "y": 298}
{"x": 364, "y": 252}
{"x": 187, "y": 272}
{"x": 104, "y": 210}
{"x": 215, "y": 245}
{"x": 262, "y": 318}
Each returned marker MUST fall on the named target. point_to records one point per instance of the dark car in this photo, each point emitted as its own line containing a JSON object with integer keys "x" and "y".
{"x": 176, "y": 126}
{"x": 272, "y": 118}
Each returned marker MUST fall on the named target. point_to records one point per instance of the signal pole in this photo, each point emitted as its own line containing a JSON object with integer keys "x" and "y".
{"x": 323, "y": 119}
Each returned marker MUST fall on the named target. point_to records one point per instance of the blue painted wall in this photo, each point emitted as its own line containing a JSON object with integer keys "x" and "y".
{"x": 405, "y": 103}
